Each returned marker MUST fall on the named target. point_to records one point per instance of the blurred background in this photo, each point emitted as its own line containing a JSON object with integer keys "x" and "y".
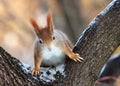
{"x": 70, "y": 16}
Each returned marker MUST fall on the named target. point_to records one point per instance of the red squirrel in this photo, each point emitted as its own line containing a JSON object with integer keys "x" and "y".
{"x": 51, "y": 45}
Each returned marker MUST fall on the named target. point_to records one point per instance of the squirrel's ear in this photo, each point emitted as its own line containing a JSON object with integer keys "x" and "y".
{"x": 49, "y": 21}
{"x": 35, "y": 25}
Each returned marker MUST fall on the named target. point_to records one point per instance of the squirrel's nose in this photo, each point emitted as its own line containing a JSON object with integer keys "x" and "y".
{"x": 49, "y": 49}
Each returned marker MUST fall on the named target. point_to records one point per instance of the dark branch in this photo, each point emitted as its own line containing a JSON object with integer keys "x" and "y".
{"x": 96, "y": 45}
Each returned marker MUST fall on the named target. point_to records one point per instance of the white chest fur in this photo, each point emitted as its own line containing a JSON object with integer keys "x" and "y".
{"x": 53, "y": 56}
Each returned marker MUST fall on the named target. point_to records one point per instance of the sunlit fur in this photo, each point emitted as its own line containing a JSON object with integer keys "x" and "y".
{"x": 51, "y": 46}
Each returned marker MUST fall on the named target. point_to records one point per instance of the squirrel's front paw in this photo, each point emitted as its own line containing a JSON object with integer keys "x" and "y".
{"x": 35, "y": 71}
{"x": 76, "y": 57}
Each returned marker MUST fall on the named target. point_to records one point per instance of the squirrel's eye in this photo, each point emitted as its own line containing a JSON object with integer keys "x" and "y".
{"x": 53, "y": 37}
{"x": 40, "y": 41}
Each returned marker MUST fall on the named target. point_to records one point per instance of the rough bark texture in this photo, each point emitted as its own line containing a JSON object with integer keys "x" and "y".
{"x": 11, "y": 73}
{"x": 95, "y": 45}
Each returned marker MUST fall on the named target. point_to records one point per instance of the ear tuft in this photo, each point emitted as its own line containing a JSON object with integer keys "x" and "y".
{"x": 34, "y": 23}
{"x": 49, "y": 21}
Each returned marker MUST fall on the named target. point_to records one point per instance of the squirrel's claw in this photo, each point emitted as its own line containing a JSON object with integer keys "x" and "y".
{"x": 76, "y": 57}
{"x": 80, "y": 58}
{"x": 35, "y": 71}
{"x": 75, "y": 60}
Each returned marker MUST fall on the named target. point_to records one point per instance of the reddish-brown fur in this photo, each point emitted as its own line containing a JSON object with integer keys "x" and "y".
{"x": 45, "y": 36}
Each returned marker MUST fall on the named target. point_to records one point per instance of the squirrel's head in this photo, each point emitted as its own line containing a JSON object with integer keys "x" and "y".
{"x": 45, "y": 34}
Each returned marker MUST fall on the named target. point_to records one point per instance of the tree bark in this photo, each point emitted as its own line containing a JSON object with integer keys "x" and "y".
{"x": 11, "y": 72}
{"x": 95, "y": 45}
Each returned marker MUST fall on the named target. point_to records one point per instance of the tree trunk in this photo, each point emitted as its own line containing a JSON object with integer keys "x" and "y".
{"x": 72, "y": 14}
{"x": 95, "y": 45}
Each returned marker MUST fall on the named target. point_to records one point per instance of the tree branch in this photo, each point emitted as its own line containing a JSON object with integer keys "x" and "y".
{"x": 95, "y": 45}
